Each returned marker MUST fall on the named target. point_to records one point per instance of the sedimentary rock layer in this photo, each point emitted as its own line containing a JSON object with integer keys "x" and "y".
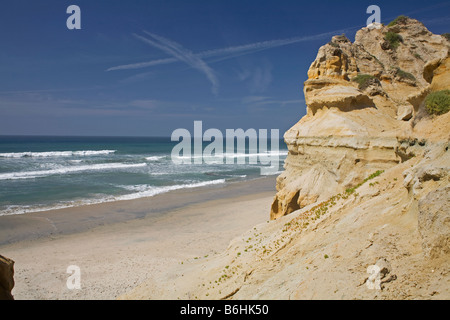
{"x": 364, "y": 100}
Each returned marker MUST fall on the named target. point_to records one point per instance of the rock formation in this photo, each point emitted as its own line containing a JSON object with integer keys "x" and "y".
{"x": 6, "y": 278}
{"x": 363, "y": 207}
{"x": 363, "y": 99}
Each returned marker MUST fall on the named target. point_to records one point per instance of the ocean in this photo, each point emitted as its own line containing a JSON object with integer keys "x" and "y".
{"x": 45, "y": 173}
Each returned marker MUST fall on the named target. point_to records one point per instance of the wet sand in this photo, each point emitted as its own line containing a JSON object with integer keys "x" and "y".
{"x": 118, "y": 245}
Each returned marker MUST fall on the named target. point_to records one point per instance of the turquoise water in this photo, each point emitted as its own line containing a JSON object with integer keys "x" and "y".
{"x": 44, "y": 173}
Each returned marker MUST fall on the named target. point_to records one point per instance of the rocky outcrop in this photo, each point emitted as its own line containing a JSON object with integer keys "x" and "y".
{"x": 364, "y": 99}
{"x": 386, "y": 238}
{"x": 428, "y": 185}
{"x": 439, "y": 75}
{"x": 6, "y": 278}
{"x": 434, "y": 222}
{"x": 362, "y": 208}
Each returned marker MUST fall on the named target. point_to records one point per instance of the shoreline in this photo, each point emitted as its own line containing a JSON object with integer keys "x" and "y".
{"x": 35, "y": 225}
{"x": 134, "y": 243}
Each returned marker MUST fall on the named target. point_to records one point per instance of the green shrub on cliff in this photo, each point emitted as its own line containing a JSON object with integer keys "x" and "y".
{"x": 393, "y": 39}
{"x": 447, "y": 36}
{"x": 333, "y": 44}
{"x": 402, "y": 74}
{"x": 372, "y": 176}
{"x": 400, "y": 19}
{"x": 438, "y": 102}
{"x": 364, "y": 80}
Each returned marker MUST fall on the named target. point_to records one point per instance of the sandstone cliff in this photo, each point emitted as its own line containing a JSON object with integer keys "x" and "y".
{"x": 364, "y": 100}
{"x": 366, "y": 185}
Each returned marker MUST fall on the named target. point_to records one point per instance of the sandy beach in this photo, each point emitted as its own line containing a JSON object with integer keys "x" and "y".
{"x": 119, "y": 245}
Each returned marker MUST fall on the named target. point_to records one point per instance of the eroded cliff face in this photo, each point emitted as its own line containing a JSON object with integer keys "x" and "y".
{"x": 6, "y": 278}
{"x": 365, "y": 111}
{"x": 324, "y": 239}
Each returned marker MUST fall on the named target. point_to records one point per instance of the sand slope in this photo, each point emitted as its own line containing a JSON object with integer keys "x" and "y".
{"x": 302, "y": 257}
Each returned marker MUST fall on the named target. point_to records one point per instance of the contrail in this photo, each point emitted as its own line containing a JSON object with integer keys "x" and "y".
{"x": 234, "y": 51}
{"x": 143, "y": 64}
{"x": 181, "y": 54}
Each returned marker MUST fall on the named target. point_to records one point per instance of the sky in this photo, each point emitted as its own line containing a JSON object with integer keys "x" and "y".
{"x": 146, "y": 68}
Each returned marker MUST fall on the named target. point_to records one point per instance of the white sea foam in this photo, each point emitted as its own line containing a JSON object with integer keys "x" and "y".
{"x": 137, "y": 187}
{"x": 145, "y": 191}
{"x": 160, "y": 173}
{"x": 155, "y": 158}
{"x": 75, "y": 161}
{"x": 55, "y": 154}
{"x": 65, "y": 170}
{"x": 236, "y": 155}
{"x": 269, "y": 171}
{"x": 152, "y": 191}
{"x": 258, "y": 154}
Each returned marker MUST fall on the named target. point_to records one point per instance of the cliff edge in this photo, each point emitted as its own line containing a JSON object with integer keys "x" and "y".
{"x": 365, "y": 103}
{"x": 363, "y": 207}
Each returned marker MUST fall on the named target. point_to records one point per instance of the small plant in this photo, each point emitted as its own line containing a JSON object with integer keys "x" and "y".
{"x": 350, "y": 190}
{"x": 372, "y": 176}
{"x": 364, "y": 80}
{"x": 377, "y": 60}
{"x": 438, "y": 102}
{"x": 399, "y": 20}
{"x": 403, "y": 74}
{"x": 393, "y": 39}
{"x": 446, "y": 36}
{"x": 326, "y": 256}
{"x": 333, "y": 44}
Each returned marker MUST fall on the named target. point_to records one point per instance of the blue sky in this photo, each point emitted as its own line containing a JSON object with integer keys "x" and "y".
{"x": 146, "y": 68}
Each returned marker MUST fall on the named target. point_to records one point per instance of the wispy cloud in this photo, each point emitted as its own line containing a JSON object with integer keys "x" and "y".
{"x": 141, "y": 65}
{"x": 37, "y": 91}
{"x": 262, "y": 100}
{"x": 254, "y": 99}
{"x": 144, "y": 104}
{"x": 137, "y": 77}
{"x": 258, "y": 78}
{"x": 182, "y": 54}
{"x": 36, "y": 104}
{"x": 232, "y": 51}
{"x": 437, "y": 21}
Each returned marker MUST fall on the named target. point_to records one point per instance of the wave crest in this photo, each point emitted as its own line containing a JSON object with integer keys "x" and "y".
{"x": 48, "y": 154}
{"x": 65, "y": 170}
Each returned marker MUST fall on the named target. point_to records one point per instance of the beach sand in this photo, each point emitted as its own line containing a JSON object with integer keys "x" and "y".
{"x": 121, "y": 244}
